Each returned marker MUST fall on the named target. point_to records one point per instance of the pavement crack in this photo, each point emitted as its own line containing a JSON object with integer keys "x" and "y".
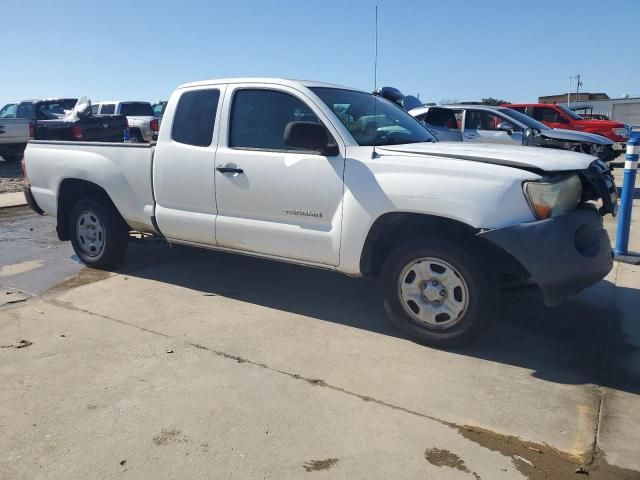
{"x": 71, "y": 306}
{"x": 321, "y": 383}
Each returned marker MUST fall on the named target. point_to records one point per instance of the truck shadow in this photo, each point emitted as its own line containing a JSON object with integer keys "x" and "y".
{"x": 579, "y": 342}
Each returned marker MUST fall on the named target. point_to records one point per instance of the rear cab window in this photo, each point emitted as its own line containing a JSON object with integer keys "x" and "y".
{"x": 136, "y": 109}
{"x": 107, "y": 109}
{"x": 194, "y": 117}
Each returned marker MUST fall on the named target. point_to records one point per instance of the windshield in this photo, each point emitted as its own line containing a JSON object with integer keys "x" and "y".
{"x": 571, "y": 113}
{"x": 373, "y": 120}
{"x": 137, "y": 109}
{"x": 526, "y": 119}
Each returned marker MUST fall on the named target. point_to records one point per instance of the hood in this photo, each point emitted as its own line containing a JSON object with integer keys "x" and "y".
{"x": 526, "y": 158}
{"x": 600, "y": 123}
{"x": 574, "y": 136}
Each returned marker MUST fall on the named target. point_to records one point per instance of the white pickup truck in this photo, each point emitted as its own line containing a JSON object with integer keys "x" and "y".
{"x": 143, "y": 125}
{"x": 332, "y": 177}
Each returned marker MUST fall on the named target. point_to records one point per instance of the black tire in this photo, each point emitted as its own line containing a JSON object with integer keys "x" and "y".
{"x": 114, "y": 236}
{"x": 479, "y": 285}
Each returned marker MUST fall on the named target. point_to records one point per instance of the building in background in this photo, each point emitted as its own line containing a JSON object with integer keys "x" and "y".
{"x": 582, "y": 96}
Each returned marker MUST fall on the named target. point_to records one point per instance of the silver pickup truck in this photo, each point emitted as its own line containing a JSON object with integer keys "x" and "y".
{"x": 14, "y": 133}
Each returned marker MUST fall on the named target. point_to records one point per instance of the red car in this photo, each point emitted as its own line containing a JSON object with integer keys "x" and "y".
{"x": 557, "y": 116}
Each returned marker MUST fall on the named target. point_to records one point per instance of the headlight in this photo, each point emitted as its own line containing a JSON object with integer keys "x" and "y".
{"x": 550, "y": 199}
{"x": 622, "y": 132}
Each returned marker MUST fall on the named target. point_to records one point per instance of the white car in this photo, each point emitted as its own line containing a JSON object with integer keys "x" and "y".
{"x": 143, "y": 125}
{"x": 336, "y": 178}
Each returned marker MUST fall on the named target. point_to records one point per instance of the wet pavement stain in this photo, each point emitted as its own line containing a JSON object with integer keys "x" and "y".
{"x": 445, "y": 458}
{"x": 537, "y": 461}
{"x": 166, "y": 437}
{"x": 83, "y": 277}
{"x": 318, "y": 465}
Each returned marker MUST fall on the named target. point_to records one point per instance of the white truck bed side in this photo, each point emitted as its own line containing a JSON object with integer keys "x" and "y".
{"x": 122, "y": 169}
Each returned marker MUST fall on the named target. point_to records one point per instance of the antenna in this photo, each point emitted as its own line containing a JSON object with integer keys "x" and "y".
{"x": 375, "y": 84}
{"x": 375, "y": 57}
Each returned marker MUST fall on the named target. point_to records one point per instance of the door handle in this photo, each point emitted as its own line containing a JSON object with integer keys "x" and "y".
{"x": 229, "y": 170}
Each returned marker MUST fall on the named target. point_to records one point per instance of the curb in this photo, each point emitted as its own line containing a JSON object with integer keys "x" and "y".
{"x": 12, "y": 200}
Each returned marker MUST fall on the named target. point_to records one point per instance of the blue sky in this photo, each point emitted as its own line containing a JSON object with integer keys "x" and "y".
{"x": 461, "y": 50}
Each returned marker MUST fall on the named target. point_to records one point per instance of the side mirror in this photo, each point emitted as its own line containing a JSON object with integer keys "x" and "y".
{"x": 506, "y": 127}
{"x": 309, "y": 136}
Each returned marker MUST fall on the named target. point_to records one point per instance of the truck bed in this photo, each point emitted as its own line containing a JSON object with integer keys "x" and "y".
{"x": 122, "y": 169}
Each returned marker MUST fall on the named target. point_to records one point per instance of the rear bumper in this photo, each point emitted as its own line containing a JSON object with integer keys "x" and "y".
{"x": 563, "y": 255}
{"x": 32, "y": 201}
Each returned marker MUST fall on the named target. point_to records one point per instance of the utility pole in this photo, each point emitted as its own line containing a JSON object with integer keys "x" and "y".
{"x": 578, "y": 85}
{"x": 569, "y": 93}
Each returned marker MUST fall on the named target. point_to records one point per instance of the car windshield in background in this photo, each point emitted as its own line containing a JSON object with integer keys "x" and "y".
{"x": 526, "y": 119}
{"x": 571, "y": 113}
{"x": 136, "y": 109}
{"x": 373, "y": 120}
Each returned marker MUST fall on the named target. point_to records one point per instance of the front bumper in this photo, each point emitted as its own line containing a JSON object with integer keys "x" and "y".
{"x": 563, "y": 255}
{"x": 619, "y": 147}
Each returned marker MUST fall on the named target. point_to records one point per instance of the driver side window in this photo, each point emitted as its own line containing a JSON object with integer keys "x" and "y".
{"x": 483, "y": 120}
{"x": 8, "y": 111}
{"x": 259, "y": 118}
{"x": 547, "y": 115}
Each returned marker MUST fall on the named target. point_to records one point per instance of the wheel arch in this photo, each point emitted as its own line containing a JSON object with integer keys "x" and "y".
{"x": 393, "y": 228}
{"x": 69, "y": 192}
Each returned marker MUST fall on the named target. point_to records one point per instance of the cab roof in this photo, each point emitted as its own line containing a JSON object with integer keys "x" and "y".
{"x": 267, "y": 80}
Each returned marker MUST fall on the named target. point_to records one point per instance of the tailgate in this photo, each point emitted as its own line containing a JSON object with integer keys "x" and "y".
{"x": 14, "y": 130}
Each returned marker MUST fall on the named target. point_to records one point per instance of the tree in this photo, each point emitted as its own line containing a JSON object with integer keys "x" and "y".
{"x": 493, "y": 101}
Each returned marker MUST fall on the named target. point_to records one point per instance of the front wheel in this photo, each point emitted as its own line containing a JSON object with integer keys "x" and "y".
{"x": 438, "y": 292}
{"x": 99, "y": 236}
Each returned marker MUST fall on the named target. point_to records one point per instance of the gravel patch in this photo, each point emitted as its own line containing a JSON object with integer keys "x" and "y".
{"x": 10, "y": 177}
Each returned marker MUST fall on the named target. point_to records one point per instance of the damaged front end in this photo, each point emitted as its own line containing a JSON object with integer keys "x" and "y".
{"x": 598, "y": 184}
{"x": 567, "y": 253}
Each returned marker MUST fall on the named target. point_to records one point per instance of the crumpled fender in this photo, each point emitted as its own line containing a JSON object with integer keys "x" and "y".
{"x": 563, "y": 255}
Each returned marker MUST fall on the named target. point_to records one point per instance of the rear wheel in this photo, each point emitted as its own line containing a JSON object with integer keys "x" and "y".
{"x": 438, "y": 292}
{"x": 98, "y": 234}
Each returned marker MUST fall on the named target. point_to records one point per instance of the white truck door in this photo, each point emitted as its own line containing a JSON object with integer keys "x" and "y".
{"x": 183, "y": 166}
{"x": 482, "y": 126}
{"x": 273, "y": 199}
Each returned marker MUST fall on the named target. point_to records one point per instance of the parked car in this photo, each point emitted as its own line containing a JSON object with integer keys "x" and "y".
{"x": 14, "y": 135}
{"x": 336, "y": 178}
{"x": 143, "y": 126}
{"x": 81, "y": 124}
{"x": 558, "y": 116}
{"x": 489, "y": 124}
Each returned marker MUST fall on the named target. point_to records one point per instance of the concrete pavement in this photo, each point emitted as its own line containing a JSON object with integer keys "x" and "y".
{"x": 206, "y": 365}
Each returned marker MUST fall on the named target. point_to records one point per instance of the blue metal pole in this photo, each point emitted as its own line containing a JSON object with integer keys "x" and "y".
{"x": 626, "y": 198}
